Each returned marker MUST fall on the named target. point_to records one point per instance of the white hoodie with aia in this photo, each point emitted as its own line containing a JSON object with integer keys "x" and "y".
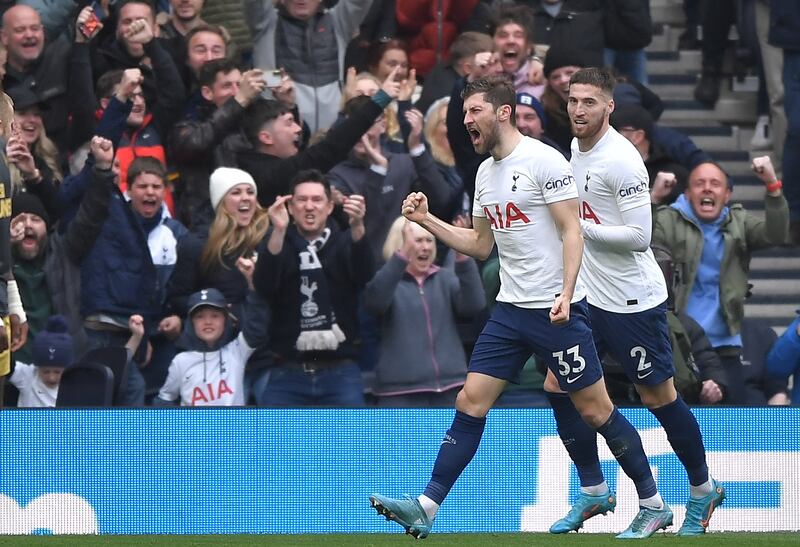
{"x": 211, "y": 378}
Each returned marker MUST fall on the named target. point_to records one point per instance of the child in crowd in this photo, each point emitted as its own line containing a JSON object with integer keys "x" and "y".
{"x": 210, "y": 372}
{"x": 52, "y": 353}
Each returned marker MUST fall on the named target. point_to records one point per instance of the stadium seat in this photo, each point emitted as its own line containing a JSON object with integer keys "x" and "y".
{"x": 115, "y": 358}
{"x": 10, "y": 394}
{"x": 85, "y": 385}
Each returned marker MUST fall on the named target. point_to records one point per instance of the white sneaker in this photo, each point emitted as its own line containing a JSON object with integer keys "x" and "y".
{"x": 762, "y": 140}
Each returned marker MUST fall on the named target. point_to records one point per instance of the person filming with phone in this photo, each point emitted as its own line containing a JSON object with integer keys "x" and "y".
{"x": 225, "y": 92}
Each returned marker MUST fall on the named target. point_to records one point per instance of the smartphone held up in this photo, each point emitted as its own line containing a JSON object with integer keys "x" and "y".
{"x": 94, "y": 23}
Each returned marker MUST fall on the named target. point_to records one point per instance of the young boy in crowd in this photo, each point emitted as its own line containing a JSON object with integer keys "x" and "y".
{"x": 52, "y": 353}
{"x": 210, "y": 372}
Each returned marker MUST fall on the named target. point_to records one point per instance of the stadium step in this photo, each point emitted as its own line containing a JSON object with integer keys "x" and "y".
{"x": 724, "y": 132}
{"x": 667, "y": 11}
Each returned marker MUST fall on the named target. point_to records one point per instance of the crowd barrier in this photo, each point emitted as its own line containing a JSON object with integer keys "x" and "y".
{"x": 225, "y": 471}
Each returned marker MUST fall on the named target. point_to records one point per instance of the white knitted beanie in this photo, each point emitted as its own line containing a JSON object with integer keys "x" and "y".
{"x": 225, "y": 178}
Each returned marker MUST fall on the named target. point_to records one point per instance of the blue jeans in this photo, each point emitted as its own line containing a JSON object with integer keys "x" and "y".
{"x": 791, "y": 148}
{"x": 631, "y": 63}
{"x": 290, "y": 386}
{"x": 132, "y": 391}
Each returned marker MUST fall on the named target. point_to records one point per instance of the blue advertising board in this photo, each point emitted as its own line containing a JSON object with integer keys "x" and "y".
{"x": 200, "y": 471}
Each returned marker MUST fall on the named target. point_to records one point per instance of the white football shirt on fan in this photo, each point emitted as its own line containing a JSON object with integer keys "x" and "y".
{"x": 32, "y": 391}
{"x": 212, "y": 378}
{"x": 612, "y": 179}
{"x": 512, "y": 194}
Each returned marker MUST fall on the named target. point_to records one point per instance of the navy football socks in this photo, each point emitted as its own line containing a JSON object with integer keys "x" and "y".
{"x": 626, "y": 446}
{"x": 579, "y": 439}
{"x": 456, "y": 451}
{"x": 683, "y": 434}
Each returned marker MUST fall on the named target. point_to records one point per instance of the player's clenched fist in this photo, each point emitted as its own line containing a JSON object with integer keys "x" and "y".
{"x": 415, "y": 207}
{"x": 559, "y": 313}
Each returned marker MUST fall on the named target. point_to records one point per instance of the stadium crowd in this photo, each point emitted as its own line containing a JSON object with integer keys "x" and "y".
{"x": 217, "y": 188}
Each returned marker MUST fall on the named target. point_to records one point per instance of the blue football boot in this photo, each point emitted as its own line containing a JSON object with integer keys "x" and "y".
{"x": 408, "y": 513}
{"x": 647, "y": 522}
{"x": 699, "y": 511}
{"x": 585, "y": 508}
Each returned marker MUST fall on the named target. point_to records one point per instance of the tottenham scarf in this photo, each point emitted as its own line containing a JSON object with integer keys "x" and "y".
{"x": 318, "y": 328}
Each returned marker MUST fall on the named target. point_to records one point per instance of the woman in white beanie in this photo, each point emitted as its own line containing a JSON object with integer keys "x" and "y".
{"x": 211, "y": 261}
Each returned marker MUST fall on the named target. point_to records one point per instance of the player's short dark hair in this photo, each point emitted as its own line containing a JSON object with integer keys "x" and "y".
{"x": 497, "y": 90}
{"x": 311, "y": 175}
{"x": 260, "y": 113}
{"x": 210, "y": 69}
{"x": 146, "y": 164}
{"x": 601, "y": 78}
{"x": 514, "y": 13}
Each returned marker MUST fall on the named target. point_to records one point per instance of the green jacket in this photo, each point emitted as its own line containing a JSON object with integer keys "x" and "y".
{"x": 743, "y": 233}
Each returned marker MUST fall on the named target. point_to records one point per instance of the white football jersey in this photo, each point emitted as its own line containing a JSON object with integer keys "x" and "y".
{"x": 612, "y": 179}
{"x": 512, "y": 194}
{"x": 213, "y": 378}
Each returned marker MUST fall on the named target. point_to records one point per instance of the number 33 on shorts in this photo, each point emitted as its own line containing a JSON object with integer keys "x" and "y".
{"x": 574, "y": 364}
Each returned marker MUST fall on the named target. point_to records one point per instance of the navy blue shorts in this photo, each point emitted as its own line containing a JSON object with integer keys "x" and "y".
{"x": 638, "y": 341}
{"x": 512, "y": 334}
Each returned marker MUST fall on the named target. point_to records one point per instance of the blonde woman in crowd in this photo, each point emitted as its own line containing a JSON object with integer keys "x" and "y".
{"x": 239, "y": 225}
{"x": 422, "y": 361}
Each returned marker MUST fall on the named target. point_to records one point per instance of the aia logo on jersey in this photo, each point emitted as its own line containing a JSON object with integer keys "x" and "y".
{"x": 206, "y": 394}
{"x": 635, "y": 189}
{"x": 586, "y": 213}
{"x": 559, "y": 183}
{"x": 512, "y": 214}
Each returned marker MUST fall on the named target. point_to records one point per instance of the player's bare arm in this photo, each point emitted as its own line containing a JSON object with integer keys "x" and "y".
{"x": 476, "y": 242}
{"x": 565, "y": 215}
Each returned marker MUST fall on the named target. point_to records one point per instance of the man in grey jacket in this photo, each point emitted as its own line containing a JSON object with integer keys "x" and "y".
{"x": 309, "y": 43}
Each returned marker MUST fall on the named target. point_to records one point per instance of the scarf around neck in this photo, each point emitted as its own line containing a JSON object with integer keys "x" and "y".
{"x": 318, "y": 328}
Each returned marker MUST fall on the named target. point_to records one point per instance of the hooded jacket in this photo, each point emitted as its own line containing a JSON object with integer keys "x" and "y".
{"x": 204, "y": 375}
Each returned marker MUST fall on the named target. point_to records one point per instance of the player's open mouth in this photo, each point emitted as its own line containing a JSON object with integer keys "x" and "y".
{"x": 474, "y": 135}
{"x": 510, "y": 54}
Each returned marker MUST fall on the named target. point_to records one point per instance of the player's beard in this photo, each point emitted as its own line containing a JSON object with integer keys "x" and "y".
{"x": 587, "y": 131}
{"x": 490, "y": 140}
